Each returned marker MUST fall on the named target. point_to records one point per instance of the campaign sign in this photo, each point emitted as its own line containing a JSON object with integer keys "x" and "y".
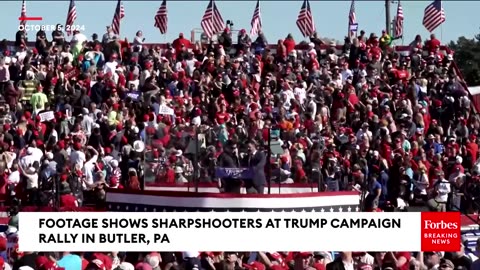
{"x": 354, "y": 27}
{"x": 235, "y": 173}
{"x": 166, "y": 110}
{"x": 135, "y": 95}
{"x": 46, "y": 116}
{"x": 72, "y": 73}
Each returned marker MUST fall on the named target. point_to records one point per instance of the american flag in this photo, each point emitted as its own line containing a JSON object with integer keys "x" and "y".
{"x": 399, "y": 21}
{"x": 161, "y": 18}
{"x": 71, "y": 16}
{"x": 212, "y": 21}
{"x": 23, "y": 13}
{"x": 352, "y": 18}
{"x": 117, "y": 17}
{"x": 434, "y": 15}
{"x": 305, "y": 20}
{"x": 256, "y": 20}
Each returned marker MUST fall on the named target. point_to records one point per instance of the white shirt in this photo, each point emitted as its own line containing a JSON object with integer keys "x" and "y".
{"x": 422, "y": 183}
{"x": 87, "y": 124}
{"x": 32, "y": 180}
{"x": 368, "y": 259}
{"x": 88, "y": 169}
{"x": 135, "y": 83}
{"x": 301, "y": 94}
{"x": 190, "y": 66}
{"x": 79, "y": 39}
{"x": 289, "y": 94}
{"x": 144, "y": 76}
{"x": 453, "y": 177}
{"x": 178, "y": 66}
{"x": 27, "y": 161}
{"x": 36, "y": 153}
{"x": 348, "y": 265}
{"x": 138, "y": 41}
{"x": 443, "y": 188}
{"x": 21, "y": 56}
{"x": 362, "y": 133}
{"x": 12, "y": 158}
{"x": 14, "y": 177}
{"x": 345, "y": 74}
{"x": 110, "y": 67}
{"x": 77, "y": 157}
{"x": 313, "y": 108}
{"x": 67, "y": 55}
{"x": 54, "y": 134}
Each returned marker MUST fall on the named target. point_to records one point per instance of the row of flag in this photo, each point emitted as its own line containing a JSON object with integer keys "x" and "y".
{"x": 212, "y": 21}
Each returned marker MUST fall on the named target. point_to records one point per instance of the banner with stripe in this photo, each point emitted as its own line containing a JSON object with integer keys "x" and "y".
{"x": 158, "y": 201}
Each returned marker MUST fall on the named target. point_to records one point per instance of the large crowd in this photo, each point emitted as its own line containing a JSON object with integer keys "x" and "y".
{"x": 80, "y": 115}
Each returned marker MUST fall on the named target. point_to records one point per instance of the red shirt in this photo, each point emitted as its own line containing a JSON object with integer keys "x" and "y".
{"x": 309, "y": 124}
{"x": 170, "y": 176}
{"x": 124, "y": 47}
{"x": 432, "y": 44}
{"x": 68, "y": 200}
{"x": 222, "y": 117}
{"x": 84, "y": 263}
{"x": 353, "y": 99}
{"x": 177, "y": 44}
{"x": 3, "y": 184}
{"x": 313, "y": 64}
{"x": 402, "y": 74}
{"x": 289, "y": 45}
{"x": 386, "y": 152}
{"x": 472, "y": 149}
{"x": 407, "y": 256}
{"x": 376, "y": 51}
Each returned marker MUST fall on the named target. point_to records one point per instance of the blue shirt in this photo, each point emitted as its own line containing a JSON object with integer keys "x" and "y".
{"x": 70, "y": 262}
{"x": 85, "y": 66}
{"x": 374, "y": 187}
{"x": 383, "y": 180}
{"x": 437, "y": 148}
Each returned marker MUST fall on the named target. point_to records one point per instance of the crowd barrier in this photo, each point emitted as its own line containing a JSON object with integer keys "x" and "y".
{"x": 213, "y": 188}
{"x": 167, "y": 201}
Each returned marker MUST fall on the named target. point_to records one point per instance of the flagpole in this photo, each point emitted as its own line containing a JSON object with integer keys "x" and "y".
{"x": 441, "y": 32}
{"x": 387, "y": 17}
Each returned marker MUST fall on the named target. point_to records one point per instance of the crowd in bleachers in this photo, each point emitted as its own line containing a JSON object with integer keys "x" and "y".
{"x": 82, "y": 115}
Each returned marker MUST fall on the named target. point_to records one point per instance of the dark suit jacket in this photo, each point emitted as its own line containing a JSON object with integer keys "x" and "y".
{"x": 337, "y": 264}
{"x": 257, "y": 164}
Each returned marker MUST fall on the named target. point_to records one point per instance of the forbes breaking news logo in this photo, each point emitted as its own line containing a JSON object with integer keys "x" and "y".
{"x": 441, "y": 231}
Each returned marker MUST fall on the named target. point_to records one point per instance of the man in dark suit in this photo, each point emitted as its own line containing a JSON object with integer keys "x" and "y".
{"x": 256, "y": 161}
{"x": 343, "y": 262}
{"x": 228, "y": 159}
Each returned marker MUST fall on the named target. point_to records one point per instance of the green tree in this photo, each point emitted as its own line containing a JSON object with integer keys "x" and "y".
{"x": 467, "y": 57}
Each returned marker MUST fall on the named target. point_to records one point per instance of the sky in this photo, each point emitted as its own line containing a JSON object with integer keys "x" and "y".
{"x": 278, "y": 17}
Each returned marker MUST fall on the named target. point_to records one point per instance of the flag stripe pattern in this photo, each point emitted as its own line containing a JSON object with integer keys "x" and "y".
{"x": 71, "y": 16}
{"x": 117, "y": 17}
{"x": 161, "y": 18}
{"x": 352, "y": 18}
{"x": 256, "y": 20}
{"x": 434, "y": 15}
{"x": 23, "y": 13}
{"x": 133, "y": 207}
{"x": 172, "y": 201}
{"x": 399, "y": 21}
{"x": 305, "y": 20}
{"x": 212, "y": 21}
